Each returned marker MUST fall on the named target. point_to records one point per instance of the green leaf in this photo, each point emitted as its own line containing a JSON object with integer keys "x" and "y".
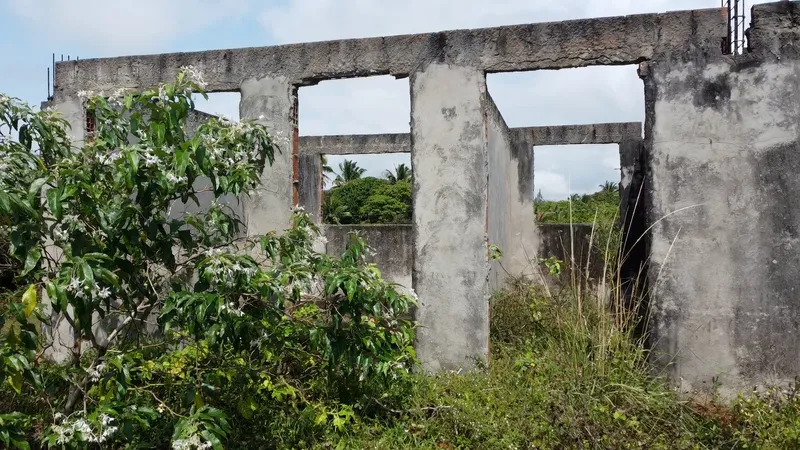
{"x": 29, "y": 300}
{"x": 31, "y": 260}
{"x": 54, "y": 202}
{"x": 16, "y": 382}
{"x": 36, "y": 186}
{"x": 133, "y": 160}
{"x": 86, "y": 273}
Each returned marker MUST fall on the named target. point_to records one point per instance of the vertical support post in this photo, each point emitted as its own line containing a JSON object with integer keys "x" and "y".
{"x": 451, "y": 261}
{"x": 273, "y": 102}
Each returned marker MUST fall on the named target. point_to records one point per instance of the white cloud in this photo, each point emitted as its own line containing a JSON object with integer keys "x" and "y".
{"x": 554, "y": 186}
{"x": 355, "y": 106}
{"x": 220, "y": 104}
{"x": 122, "y": 26}
{"x": 314, "y": 20}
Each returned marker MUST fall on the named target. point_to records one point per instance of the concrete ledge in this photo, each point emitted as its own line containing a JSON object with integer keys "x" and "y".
{"x": 355, "y": 144}
{"x": 602, "y": 133}
{"x": 576, "y": 43}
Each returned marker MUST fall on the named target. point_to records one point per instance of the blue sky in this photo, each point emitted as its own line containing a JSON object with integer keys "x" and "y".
{"x": 31, "y": 30}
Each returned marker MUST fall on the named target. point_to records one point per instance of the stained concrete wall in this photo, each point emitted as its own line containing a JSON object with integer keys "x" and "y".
{"x": 572, "y": 244}
{"x": 393, "y": 246}
{"x": 704, "y": 128}
{"x": 451, "y": 263}
{"x": 511, "y": 224}
{"x": 724, "y": 140}
{"x": 272, "y": 101}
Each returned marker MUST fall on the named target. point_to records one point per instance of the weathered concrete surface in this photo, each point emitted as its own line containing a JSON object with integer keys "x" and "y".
{"x": 511, "y": 214}
{"x": 572, "y": 245}
{"x": 451, "y": 261}
{"x": 574, "y": 43}
{"x": 600, "y": 133}
{"x": 393, "y": 245}
{"x": 724, "y": 143}
{"x": 72, "y": 111}
{"x": 272, "y": 102}
{"x": 355, "y": 144}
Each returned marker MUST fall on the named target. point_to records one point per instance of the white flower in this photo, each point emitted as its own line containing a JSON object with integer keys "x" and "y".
{"x": 172, "y": 178}
{"x": 195, "y": 76}
{"x": 105, "y": 419}
{"x": 151, "y": 160}
{"x": 192, "y": 443}
{"x": 104, "y": 293}
{"x": 84, "y": 95}
{"x": 60, "y": 234}
{"x": 74, "y": 284}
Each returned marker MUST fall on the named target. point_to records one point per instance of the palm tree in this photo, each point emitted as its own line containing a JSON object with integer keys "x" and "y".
{"x": 348, "y": 171}
{"x": 401, "y": 173}
{"x": 609, "y": 186}
{"x": 334, "y": 211}
{"x": 326, "y": 169}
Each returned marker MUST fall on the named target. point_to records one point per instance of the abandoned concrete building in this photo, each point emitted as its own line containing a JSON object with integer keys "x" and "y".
{"x": 709, "y": 180}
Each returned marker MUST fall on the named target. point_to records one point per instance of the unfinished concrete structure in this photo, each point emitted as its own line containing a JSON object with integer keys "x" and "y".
{"x": 721, "y": 142}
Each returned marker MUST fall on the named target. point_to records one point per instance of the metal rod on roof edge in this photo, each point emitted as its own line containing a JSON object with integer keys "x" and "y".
{"x": 48, "y": 83}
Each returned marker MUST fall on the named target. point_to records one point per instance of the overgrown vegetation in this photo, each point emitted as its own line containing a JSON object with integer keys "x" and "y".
{"x": 566, "y": 375}
{"x": 600, "y": 210}
{"x": 177, "y": 329}
{"x": 368, "y": 200}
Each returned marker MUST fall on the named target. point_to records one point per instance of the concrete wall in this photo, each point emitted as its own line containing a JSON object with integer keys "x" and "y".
{"x": 511, "y": 215}
{"x": 393, "y": 245}
{"x": 720, "y": 149}
{"x": 563, "y": 242}
{"x": 554, "y": 45}
{"x": 724, "y": 140}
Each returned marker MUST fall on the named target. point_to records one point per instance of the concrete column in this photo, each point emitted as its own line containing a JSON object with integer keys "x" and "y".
{"x": 724, "y": 142}
{"x": 273, "y": 102}
{"x": 451, "y": 264}
{"x": 57, "y": 331}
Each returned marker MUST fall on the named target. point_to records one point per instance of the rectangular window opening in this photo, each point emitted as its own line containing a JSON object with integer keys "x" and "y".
{"x": 367, "y": 189}
{"x": 372, "y": 105}
{"x": 578, "y": 171}
{"x": 219, "y": 104}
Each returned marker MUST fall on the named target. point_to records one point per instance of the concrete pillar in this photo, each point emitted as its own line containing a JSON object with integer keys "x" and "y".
{"x": 273, "y": 102}
{"x": 724, "y": 141}
{"x": 451, "y": 264}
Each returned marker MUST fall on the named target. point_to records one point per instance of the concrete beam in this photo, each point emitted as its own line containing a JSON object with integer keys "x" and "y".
{"x": 355, "y": 144}
{"x": 554, "y": 45}
{"x": 601, "y": 133}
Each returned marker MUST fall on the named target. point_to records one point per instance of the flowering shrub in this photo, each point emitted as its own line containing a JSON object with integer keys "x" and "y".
{"x": 181, "y": 330}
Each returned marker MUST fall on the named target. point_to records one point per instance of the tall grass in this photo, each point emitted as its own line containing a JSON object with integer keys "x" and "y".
{"x": 570, "y": 370}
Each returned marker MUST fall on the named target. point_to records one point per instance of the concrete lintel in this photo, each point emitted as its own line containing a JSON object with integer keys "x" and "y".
{"x": 355, "y": 144}
{"x": 575, "y": 43}
{"x": 601, "y": 133}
